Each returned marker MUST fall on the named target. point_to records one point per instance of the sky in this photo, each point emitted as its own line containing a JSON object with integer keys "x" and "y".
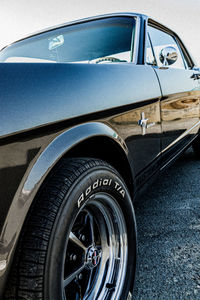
{"x": 19, "y": 18}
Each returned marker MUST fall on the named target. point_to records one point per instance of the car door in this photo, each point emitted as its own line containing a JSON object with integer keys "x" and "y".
{"x": 139, "y": 124}
{"x": 180, "y": 90}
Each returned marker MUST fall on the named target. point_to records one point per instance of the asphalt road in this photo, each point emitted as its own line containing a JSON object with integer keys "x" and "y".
{"x": 168, "y": 220}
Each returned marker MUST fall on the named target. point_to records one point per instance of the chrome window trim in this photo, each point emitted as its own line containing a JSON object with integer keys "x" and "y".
{"x": 135, "y": 44}
{"x": 182, "y": 54}
{"x": 152, "y": 49}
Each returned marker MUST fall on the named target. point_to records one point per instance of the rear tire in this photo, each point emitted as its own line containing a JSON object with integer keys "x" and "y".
{"x": 79, "y": 241}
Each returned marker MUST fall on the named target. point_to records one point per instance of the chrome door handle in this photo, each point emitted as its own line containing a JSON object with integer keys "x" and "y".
{"x": 143, "y": 123}
{"x": 195, "y": 76}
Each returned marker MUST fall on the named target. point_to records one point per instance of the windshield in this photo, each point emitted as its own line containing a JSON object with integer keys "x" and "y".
{"x": 109, "y": 39}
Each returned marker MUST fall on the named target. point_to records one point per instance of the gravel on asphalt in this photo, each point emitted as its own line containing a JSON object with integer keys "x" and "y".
{"x": 168, "y": 221}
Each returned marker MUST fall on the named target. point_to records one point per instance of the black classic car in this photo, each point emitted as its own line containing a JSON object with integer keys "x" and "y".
{"x": 91, "y": 112}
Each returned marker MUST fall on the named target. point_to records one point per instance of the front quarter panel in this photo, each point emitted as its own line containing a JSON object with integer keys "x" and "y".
{"x": 36, "y": 172}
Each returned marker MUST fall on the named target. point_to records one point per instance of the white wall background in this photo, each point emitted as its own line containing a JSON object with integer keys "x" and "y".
{"x": 19, "y": 18}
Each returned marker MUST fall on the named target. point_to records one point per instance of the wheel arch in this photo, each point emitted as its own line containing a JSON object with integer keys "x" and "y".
{"x": 94, "y": 139}
{"x": 105, "y": 148}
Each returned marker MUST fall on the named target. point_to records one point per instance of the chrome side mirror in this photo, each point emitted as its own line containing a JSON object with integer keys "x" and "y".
{"x": 168, "y": 56}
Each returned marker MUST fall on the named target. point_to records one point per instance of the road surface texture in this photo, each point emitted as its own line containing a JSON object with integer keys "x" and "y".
{"x": 168, "y": 220}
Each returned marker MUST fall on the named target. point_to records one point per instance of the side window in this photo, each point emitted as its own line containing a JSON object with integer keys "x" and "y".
{"x": 161, "y": 40}
{"x": 150, "y": 58}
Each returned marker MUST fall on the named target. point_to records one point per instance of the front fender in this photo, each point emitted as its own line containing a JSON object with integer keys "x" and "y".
{"x": 35, "y": 176}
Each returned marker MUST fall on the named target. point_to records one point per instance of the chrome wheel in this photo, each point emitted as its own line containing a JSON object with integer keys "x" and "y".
{"x": 96, "y": 253}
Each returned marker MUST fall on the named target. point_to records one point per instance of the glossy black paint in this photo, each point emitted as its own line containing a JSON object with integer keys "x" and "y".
{"x": 53, "y": 110}
{"x": 179, "y": 107}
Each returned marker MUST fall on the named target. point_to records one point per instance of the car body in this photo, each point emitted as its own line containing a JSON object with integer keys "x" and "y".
{"x": 127, "y": 108}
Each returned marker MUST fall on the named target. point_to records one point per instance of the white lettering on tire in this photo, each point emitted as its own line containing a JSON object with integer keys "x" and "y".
{"x": 96, "y": 184}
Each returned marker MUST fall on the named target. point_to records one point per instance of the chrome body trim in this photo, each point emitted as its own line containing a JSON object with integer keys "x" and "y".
{"x": 181, "y": 137}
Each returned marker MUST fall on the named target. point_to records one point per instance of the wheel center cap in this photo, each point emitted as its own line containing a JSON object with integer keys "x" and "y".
{"x": 93, "y": 257}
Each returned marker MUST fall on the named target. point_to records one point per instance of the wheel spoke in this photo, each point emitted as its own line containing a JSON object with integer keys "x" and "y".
{"x": 64, "y": 295}
{"x": 89, "y": 284}
{"x": 76, "y": 241}
{"x": 72, "y": 276}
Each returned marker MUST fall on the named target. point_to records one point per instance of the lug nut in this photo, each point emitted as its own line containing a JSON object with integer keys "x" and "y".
{"x": 82, "y": 237}
{"x": 73, "y": 257}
